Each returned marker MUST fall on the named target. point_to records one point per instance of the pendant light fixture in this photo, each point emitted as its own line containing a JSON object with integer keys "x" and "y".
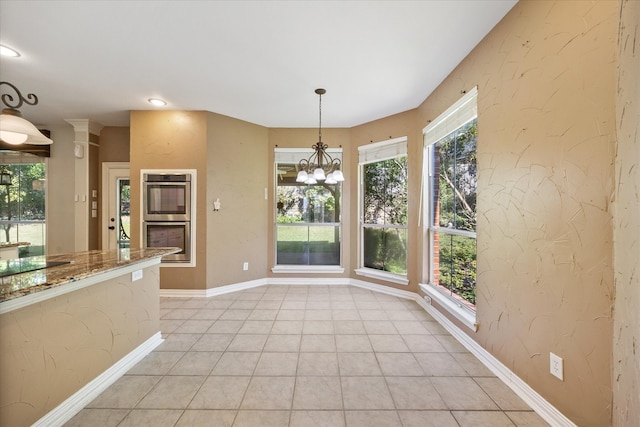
{"x": 13, "y": 128}
{"x": 320, "y": 166}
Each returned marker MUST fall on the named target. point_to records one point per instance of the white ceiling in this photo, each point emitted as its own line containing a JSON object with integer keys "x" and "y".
{"x": 258, "y": 61}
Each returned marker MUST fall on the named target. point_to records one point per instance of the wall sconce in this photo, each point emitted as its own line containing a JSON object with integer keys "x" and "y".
{"x": 216, "y": 205}
{"x": 13, "y": 128}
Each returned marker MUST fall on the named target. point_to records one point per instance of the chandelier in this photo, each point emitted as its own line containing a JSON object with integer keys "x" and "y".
{"x": 320, "y": 166}
{"x": 13, "y": 128}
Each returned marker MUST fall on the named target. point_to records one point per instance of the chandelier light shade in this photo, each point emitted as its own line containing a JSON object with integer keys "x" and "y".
{"x": 320, "y": 166}
{"x": 13, "y": 128}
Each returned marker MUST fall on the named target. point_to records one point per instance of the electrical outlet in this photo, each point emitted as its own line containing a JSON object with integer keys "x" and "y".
{"x": 245, "y": 266}
{"x": 556, "y": 366}
{"x": 136, "y": 275}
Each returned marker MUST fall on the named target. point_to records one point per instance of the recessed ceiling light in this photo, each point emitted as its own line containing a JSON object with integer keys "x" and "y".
{"x": 7, "y": 51}
{"x": 157, "y": 102}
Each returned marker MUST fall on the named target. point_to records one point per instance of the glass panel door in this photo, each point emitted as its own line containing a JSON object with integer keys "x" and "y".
{"x": 123, "y": 214}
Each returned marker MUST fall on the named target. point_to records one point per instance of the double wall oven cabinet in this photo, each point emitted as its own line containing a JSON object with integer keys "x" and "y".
{"x": 167, "y": 212}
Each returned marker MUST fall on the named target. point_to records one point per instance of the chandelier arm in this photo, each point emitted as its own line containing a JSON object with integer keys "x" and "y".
{"x": 315, "y": 160}
{"x": 320, "y": 153}
{"x": 327, "y": 159}
{"x": 304, "y": 165}
{"x": 335, "y": 164}
{"x": 7, "y": 99}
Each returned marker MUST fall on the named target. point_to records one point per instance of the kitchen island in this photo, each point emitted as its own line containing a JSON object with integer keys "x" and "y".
{"x": 72, "y": 326}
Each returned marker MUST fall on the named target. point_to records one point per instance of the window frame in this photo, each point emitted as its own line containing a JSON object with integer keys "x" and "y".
{"x": 14, "y": 158}
{"x": 457, "y": 115}
{"x": 293, "y": 156}
{"x": 368, "y": 154}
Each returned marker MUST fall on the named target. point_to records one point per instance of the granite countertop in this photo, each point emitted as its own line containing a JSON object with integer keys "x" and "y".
{"x": 4, "y": 245}
{"x": 75, "y": 266}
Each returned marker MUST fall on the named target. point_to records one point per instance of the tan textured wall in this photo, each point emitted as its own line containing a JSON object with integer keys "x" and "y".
{"x": 114, "y": 147}
{"x": 172, "y": 140}
{"x": 304, "y": 139}
{"x": 60, "y": 189}
{"x": 52, "y": 349}
{"x": 626, "y": 332}
{"x": 396, "y": 126}
{"x": 114, "y": 144}
{"x": 237, "y": 174}
{"x": 546, "y": 120}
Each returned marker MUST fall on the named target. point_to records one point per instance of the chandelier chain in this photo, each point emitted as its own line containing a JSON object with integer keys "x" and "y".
{"x": 320, "y": 118}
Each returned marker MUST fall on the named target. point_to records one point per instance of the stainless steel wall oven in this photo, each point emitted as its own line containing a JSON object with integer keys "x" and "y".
{"x": 169, "y": 234}
{"x": 167, "y": 197}
{"x": 167, "y": 213}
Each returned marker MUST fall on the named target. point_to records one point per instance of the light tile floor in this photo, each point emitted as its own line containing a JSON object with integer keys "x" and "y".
{"x": 334, "y": 356}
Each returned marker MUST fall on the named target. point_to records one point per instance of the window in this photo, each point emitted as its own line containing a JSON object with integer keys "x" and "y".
{"x": 383, "y": 210}
{"x": 451, "y": 183}
{"x": 22, "y": 203}
{"x": 307, "y": 216}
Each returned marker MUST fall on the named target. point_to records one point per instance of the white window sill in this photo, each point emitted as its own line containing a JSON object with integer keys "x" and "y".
{"x": 382, "y": 275}
{"x": 307, "y": 269}
{"x": 464, "y": 314}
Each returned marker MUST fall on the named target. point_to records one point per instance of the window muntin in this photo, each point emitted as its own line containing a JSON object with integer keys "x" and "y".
{"x": 383, "y": 206}
{"x": 307, "y": 216}
{"x": 451, "y": 144}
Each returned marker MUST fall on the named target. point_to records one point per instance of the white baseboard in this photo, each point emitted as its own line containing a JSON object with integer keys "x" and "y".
{"x": 183, "y": 293}
{"x": 316, "y": 281}
{"x": 77, "y": 401}
{"x": 543, "y": 408}
{"x": 236, "y": 287}
{"x": 225, "y": 289}
{"x": 206, "y": 293}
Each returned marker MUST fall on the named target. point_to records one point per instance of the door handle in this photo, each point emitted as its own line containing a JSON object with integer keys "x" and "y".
{"x": 112, "y": 227}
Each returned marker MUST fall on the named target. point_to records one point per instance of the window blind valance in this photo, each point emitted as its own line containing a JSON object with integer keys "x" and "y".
{"x": 384, "y": 150}
{"x": 294, "y": 155}
{"x": 461, "y": 112}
